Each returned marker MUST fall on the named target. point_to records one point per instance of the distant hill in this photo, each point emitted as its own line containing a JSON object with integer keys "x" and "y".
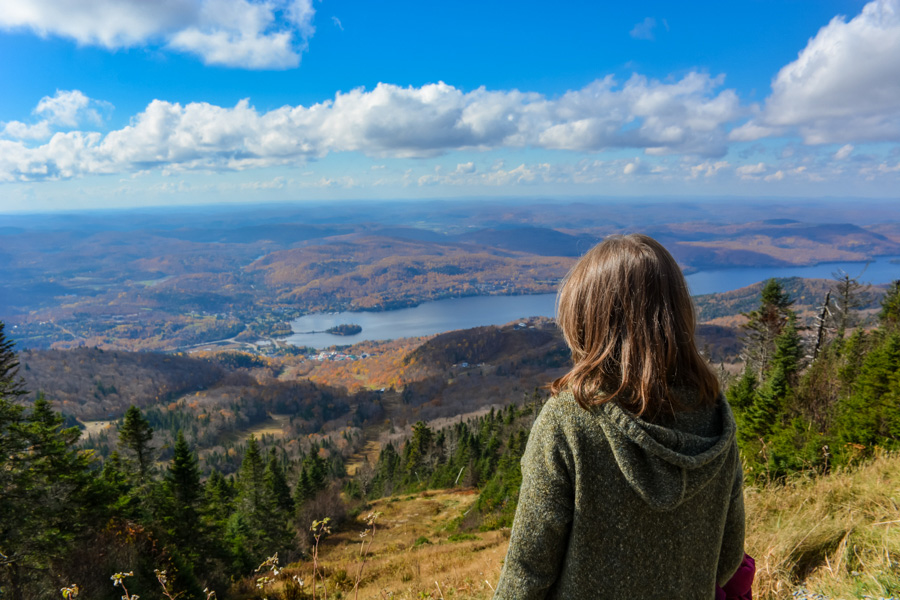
{"x": 534, "y": 240}
{"x": 166, "y": 280}
{"x": 89, "y": 383}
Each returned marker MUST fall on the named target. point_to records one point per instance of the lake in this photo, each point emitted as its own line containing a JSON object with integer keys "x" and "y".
{"x": 463, "y": 313}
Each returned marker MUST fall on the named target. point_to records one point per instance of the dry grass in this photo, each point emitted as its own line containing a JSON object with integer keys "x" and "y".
{"x": 92, "y": 428}
{"x": 402, "y": 564}
{"x": 368, "y": 453}
{"x": 838, "y": 536}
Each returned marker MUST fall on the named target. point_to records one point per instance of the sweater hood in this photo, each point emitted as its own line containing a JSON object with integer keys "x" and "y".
{"x": 669, "y": 463}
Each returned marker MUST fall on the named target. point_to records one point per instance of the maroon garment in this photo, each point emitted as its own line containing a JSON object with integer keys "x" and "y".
{"x": 740, "y": 586}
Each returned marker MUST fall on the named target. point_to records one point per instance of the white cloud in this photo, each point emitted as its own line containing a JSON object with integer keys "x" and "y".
{"x": 686, "y": 116}
{"x": 255, "y": 34}
{"x": 843, "y": 152}
{"x": 707, "y": 168}
{"x": 644, "y": 29}
{"x": 633, "y": 167}
{"x": 750, "y": 171}
{"x": 22, "y": 131}
{"x": 64, "y": 109}
{"x": 844, "y": 85}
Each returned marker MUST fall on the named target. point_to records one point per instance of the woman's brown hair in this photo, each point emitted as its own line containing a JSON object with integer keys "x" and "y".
{"x": 626, "y": 314}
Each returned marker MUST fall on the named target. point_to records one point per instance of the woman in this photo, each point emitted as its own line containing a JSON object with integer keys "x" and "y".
{"x": 631, "y": 481}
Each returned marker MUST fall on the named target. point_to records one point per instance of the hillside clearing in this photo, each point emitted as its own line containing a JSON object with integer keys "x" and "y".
{"x": 836, "y": 535}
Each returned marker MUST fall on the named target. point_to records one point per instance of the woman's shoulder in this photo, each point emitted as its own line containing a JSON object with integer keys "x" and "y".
{"x": 561, "y": 408}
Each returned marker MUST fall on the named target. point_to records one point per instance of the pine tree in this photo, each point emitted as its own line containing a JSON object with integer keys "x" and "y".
{"x": 185, "y": 494}
{"x": 417, "y": 451}
{"x": 890, "y": 306}
{"x": 869, "y": 416}
{"x": 277, "y": 483}
{"x": 13, "y": 471}
{"x": 10, "y": 383}
{"x": 49, "y": 495}
{"x": 764, "y": 414}
{"x": 303, "y": 490}
{"x": 765, "y": 324}
{"x": 265, "y": 526}
{"x": 219, "y": 499}
{"x": 135, "y": 435}
{"x": 742, "y": 393}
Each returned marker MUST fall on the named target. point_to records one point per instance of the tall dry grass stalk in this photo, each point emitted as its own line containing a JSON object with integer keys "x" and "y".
{"x": 836, "y": 535}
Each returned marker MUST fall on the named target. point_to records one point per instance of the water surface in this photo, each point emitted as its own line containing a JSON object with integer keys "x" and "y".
{"x": 463, "y": 313}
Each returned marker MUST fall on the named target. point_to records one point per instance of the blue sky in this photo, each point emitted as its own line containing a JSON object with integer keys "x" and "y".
{"x": 129, "y": 103}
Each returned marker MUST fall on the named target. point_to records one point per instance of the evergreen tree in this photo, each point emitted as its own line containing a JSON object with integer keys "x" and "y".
{"x": 890, "y": 306}
{"x": 218, "y": 500}
{"x": 10, "y": 383}
{"x": 135, "y": 435}
{"x": 771, "y": 399}
{"x": 765, "y": 324}
{"x": 185, "y": 494}
{"x": 119, "y": 485}
{"x": 13, "y": 471}
{"x": 49, "y": 496}
{"x": 251, "y": 485}
{"x": 742, "y": 393}
{"x": 304, "y": 490}
{"x": 416, "y": 452}
{"x": 870, "y": 416}
{"x": 263, "y": 525}
{"x": 277, "y": 483}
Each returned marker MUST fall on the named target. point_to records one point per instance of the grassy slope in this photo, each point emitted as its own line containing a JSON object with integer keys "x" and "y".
{"x": 836, "y": 535}
{"x": 402, "y": 564}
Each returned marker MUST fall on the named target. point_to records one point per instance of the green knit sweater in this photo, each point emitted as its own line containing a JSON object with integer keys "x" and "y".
{"x": 612, "y": 506}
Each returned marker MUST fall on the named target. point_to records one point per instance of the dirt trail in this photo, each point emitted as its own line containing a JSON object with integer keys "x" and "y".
{"x": 372, "y": 434}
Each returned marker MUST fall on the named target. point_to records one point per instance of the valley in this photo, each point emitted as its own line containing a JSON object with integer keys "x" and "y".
{"x": 165, "y": 350}
{"x": 136, "y": 281}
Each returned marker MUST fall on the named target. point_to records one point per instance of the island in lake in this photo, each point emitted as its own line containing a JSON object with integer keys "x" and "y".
{"x": 344, "y": 329}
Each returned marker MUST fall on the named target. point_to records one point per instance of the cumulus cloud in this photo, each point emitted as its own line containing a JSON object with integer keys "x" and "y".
{"x": 686, "y": 116}
{"x": 707, "y": 168}
{"x": 253, "y": 34}
{"x": 751, "y": 171}
{"x": 634, "y": 167}
{"x": 64, "y": 109}
{"x": 844, "y": 85}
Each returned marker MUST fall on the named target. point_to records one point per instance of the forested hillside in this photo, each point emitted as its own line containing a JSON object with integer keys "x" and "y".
{"x": 244, "y": 456}
{"x": 136, "y": 282}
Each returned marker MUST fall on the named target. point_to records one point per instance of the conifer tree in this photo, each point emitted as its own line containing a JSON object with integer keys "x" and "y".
{"x": 416, "y": 451}
{"x": 765, "y": 324}
{"x": 742, "y": 393}
{"x": 251, "y": 488}
{"x": 185, "y": 494}
{"x": 870, "y": 416}
{"x": 10, "y": 383}
{"x": 219, "y": 497}
{"x": 890, "y": 306}
{"x": 763, "y": 415}
{"x": 257, "y": 513}
{"x": 135, "y": 435}
{"x": 303, "y": 491}
{"x": 49, "y": 496}
{"x": 277, "y": 483}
